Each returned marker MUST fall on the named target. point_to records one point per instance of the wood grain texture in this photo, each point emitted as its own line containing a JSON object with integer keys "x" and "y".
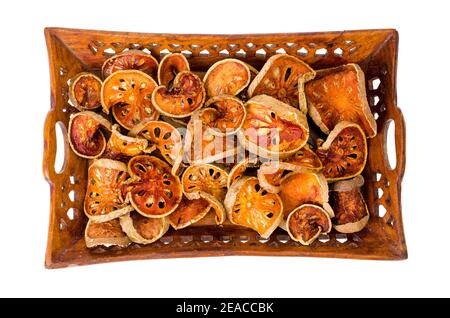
{"x": 72, "y": 51}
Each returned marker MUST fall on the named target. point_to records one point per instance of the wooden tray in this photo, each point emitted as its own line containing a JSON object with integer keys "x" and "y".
{"x": 71, "y": 51}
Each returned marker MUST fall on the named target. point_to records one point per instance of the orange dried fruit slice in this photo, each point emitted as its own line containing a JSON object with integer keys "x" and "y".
{"x": 122, "y": 147}
{"x": 307, "y": 222}
{"x": 129, "y": 94}
{"x": 206, "y": 178}
{"x": 85, "y": 136}
{"x": 269, "y": 177}
{"x": 248, "y": 204}
{"x": 238, "y": 171}
{"x": 170, "y": 66}
{"x": 303, "y": 159}
{"x": 344, "y": 153}
{"x": 189, "y": 212}
{"x": 228, "y": 76}
{"x": 339, "y": 94}
{"x": 282, "y": 77}
{"x": 143, "y": 230}
{"x": 152, "y": 189}
{"x": 273, "y": 129}
{"x": 105, "y": 198}
{"x": 348, "y": 203}
{"x": 130, "y": 60}
{"x": 224, "y": 114}
{"x": 186, "y": 95}
{"x": 105, "y": 234}
{"x": 84, "y": 91}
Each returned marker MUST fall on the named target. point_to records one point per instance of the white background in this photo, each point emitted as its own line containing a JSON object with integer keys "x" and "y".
{"x": 423, "y": 94}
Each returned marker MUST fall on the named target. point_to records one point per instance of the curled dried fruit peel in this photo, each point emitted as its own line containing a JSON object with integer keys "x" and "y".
{"x": 85, "y": 136}
{"x": 238, "y": 170}
{"x": 105, "y": 234}
{"x": 170, "y": 66}
{"x": 307, "y": 222}
{"x": 120, "y": 146}
{"x": 130, "y": 60}
{"x": 273, "y": 129}
{"x": 283, "y": 77}
{"x": 339, "y": 94}
{"x": 105, "y": 199}
{"x": 188, "y": 212}
{"x": 228, "y": 76}
{"x": 143, "y": 230}
{"x": 344, "y": 153}
{"x": 186, "y": 95}
{"x": 248, "y": 204}
{"x": 84, "y": 91}
{"x": 129, "y": 93}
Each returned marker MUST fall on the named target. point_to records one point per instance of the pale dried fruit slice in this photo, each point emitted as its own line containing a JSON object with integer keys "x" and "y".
{"x": 129, "y": 94}
{"x": 189, "y": 212}
{"x": 143, "y": 230}
{"x": 344, "y": 153}
{"x": 105, "y": 198}
{"x": 243, "y": 95}
{"x": 228, "y": 76}
{"x": 304, "y": 159}
{"x": 273, "y": 129}
{"x": 307, "y": 222}
{"x": 170, "y": 66}
{"x": 282, "y": 77}
{"x": 165, "y": 137}
{"x": 153, "y": 190}
{"x": 186, "y": 95}
{"x": 238, "y": 171}
{"x": 223, "y": 114}
{"x": 130, "y": 60}
{"x": 85, "y": 136}
{"x": 339, "y": 94}
{"x": 105, "y": 234}
{"x": 206, "y": 178}
{"x": 249, "y": 205}
{"x": 348, "y": 203}
{"x": 84, "y": 91}
{"x": 298, "y": 188}
{"x": 122, "y": 147}
{"x": 269, "y": 177}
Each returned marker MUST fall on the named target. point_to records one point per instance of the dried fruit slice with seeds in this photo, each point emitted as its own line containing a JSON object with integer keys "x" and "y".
{"x": 189, "y": 212}
{"x": 85, "y": 136}
{"x": 249, "y": 205}
{"x": 105, "y": 198}
{"x": 84, "y": 91}
{"x": 143, "y": 230}
{"x": 307, "y": 222}
{"x": 153, "y": 190}
{"x": 206, "y": 178}
{"x": 105, "y": 234}
{"x": 282, "y": 77}
{"x": 273, "y": 129}
{"x": 344, "y": 153}
{"x": 131, "y": 60}
{"x": 122, "y": 147}
{"x": 170, "y": 66}
{"x": 339, "y": 94}
{"x": 228, "y": 76}
{"x": 186, "y": 95}
{"x": 129, "y": 94}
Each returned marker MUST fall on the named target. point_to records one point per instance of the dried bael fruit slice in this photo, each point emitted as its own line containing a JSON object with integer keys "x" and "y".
{"x": 273, "y": 129}
{"x": 129, "y": 94}
{"x": 348, "y": 203}
{"x": 107, "y": 234}
{"x": 339, "y": 94}
{"x": 85, "y": 136}
{"x": 269, "y": 177}
{"x": 84, "y": 91}
{"x": 282, "y": 77}
{"x": 238, "y": 171}
{"x": 248, "y": 204}
{"x": 304, "y": 159}
{"x": 228, "y": 76}
{"x": 223, "y": 114}
{"x": 165, "y": 137}
{"x": 105, "y": 199}
{"x": 170, "y": 66}
{"x": 143, "y": 230}
{"x": 122, "y": 147}
{"x": 306, "y": 222}
{"x": 344, "y": 153}
{"x": 130, "y": 60}
{"x": 189, "y": 212}
{"x": 153, "y": 190}
{"x": 298, "y": 188}
{"x": 243, "y": 95}
{"x": 185, "y": 96}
